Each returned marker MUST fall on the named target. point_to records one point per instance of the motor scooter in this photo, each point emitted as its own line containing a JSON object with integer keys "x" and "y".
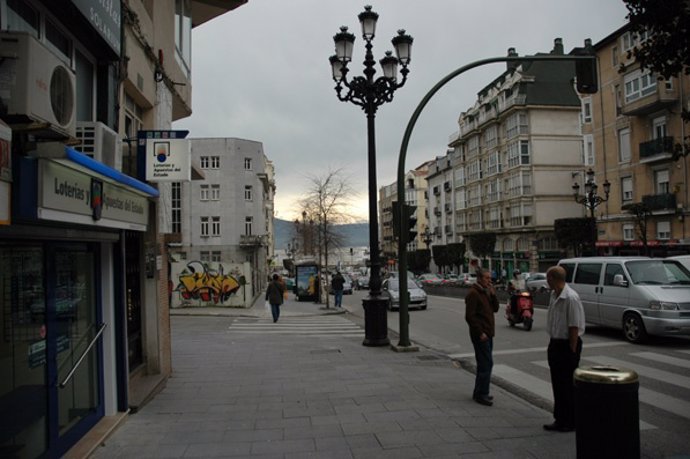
{"x": 520, "y": 309}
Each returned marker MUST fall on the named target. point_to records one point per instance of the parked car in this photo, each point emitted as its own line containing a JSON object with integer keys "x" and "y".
{"x": 391, "y": 289}
{"x": 451, "y": 279}
{"x": 430, "y": 279}
{"x": 639, "y": 295}
{"x": 536, "y": 282}
{"x": 362, "y": 282}
{"x": 683, "y": 259}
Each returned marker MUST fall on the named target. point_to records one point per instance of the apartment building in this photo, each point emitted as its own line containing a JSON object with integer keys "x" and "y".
{"x": 84, "y": 320}
{"x": 512, "y": 165}
{"x": 630, "y": 128}
{"x": 415, "y": 195}
{"x": 224, "y": 225}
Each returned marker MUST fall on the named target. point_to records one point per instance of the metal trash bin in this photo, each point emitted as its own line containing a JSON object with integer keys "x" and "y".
{"x": 607, "y": 417}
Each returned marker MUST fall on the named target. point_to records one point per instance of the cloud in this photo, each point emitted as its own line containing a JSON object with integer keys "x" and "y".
{"x": 261, "y": 72}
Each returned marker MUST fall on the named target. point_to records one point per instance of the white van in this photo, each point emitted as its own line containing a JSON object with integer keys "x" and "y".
{"x": 641, "y": 295}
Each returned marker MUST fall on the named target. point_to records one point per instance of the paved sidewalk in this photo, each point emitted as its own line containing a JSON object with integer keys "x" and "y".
{"x": 283, "y": 395}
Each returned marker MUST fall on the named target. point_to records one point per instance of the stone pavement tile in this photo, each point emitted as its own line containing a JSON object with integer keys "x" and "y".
{"x": 283, "y": 446}
{"x": 331, "y": 454}
{"x": 408, "y": 438}
{"x": 219, "y": 449}
{"x": 332, "y": 443}
{"x": 380, "y": 453}
{"x": 313, "y": 432}
{"x": 482, "y": 433}
{"x": 362, "y": 441}
{"x": 391, "y": 416}
{"x": 282, "y": 423}
{"x": 434, "y": 423}
{"x": 360, "y": 409}
{"x": 464, "y": 449}
{"x": 337, "y": 419}
{"x": 230, "y": 436}
{"x": 482, "y": 421}
{"x": 369, "y": 427}
{"x": 208, "y": 436}
{"x": 454, "y": 435}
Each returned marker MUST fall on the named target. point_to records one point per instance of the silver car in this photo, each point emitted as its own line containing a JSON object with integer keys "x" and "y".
{"x": 391, "y": 289}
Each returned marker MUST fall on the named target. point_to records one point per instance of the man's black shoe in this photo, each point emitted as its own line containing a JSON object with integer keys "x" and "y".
{"x": 483, "y": 401}
{"x": 555, "y": 427}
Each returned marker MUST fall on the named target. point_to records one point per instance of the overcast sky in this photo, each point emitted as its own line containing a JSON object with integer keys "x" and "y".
{"x": 261, "y": 72}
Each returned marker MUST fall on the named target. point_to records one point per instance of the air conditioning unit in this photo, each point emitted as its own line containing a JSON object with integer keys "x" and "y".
{"x": 37, "y": 89}
{"x": 99, "y": 142}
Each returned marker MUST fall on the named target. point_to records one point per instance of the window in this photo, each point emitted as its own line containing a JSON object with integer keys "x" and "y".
{"x": 628, "y": 232}
{"x": 659, "y": 127}
{"x": 624, "y": 145}
{"x": 459, "y": 176}
{"x": 490, "y": 137}
{"x": 494, "y": 163}
{"x": 248, "y": 225}
{"x": 474, "y": 171}
{"x": 661, "y": 181}
{"x": 508, "y": 245}
{"x": 663, "y": 230}
{"x": 58, "y": 40}
{"x": 210, "y": 162}
{"x": 627, "y": 189}
{"x": 612, "y": 269}
{"x": 460, "y": 199}
{"x": 516, "y": 124}
{"x": 22, "y": 17}
{"x": 614, "y": 56}
{"x": 183, "y": 34}
{"x": 588, "y": 145}
{"x": 133, "y": 124}
{"x": 639, "y": 84}
{"x": 204, "y": 226}
{"x": 215, "y": 192}
{"x": 587, "y": 110}
{"x": 215, "y": 226}
{"x": 203, "y": 195}
{"x": 248, "y": 193}
{"x": 588, "y": 273}
{"x": 518, "y": 153}
{"x": 473, "y": 147}
{"x": 204, "y": 256}
{"x": 215, "y": 255}
{"x": 176, "y": 206}
{"x": 247, "y": 164}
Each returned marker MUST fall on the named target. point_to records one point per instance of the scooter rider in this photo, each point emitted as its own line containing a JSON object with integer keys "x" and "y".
{"x": 515, "y": 286}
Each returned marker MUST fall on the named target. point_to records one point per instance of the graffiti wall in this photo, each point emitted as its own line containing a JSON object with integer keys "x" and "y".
{"x": 197, "y": 283}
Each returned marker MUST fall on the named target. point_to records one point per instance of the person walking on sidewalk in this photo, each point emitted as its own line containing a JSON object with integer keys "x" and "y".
{"x": 480, "y": 305}
{"x": 337, "y": 284}
{"x": 274, "y": 296}
{"x": 565, "y": 323}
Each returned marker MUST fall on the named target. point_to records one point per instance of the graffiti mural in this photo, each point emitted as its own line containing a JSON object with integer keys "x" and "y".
{"x": 199, "y": 282}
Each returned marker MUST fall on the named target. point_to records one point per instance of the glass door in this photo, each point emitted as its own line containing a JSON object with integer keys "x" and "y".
{"x": 74, "y": 348}
{"x": 50, "y": 357}
{"x": 23, "y": 394}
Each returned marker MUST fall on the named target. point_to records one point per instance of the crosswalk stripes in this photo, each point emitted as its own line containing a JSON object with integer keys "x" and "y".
{"x": 321, "y": 327}
{"x": 648, "y": 372}
{"x": 538, "y": 386}
{"x": 662, "y": 358}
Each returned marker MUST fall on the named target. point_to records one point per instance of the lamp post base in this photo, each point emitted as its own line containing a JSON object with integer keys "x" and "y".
{"x": 375, "y": 321}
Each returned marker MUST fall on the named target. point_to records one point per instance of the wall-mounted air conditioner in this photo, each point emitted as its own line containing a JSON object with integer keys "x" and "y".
{"x": 99, "y": 142}
{"x": 37, "y": 89}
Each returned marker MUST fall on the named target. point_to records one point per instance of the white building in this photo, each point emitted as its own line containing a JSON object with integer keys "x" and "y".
{"x": 512, "y": 164}
{"x": 225, "y": 223}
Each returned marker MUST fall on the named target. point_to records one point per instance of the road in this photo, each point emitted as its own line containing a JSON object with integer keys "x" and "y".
{"x": 662, "y": 364}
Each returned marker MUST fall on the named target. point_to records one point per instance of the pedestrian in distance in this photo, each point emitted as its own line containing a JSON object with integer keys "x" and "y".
{"x": 565, "y": 324}
{"x": 337, "y": 284}
{"x": 274, "y": 296}
{"x": 481, "y": 303}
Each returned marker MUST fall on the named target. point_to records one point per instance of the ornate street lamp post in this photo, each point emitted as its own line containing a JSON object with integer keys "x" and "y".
{"x": 369, "y": 94}
{"x": 591, "y": 199}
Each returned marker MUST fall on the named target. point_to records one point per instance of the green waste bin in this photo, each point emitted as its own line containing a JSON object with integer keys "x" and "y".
{"x": 607, "y": 417}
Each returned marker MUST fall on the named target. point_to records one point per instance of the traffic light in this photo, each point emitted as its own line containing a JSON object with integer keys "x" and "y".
{"x": 586, "y": 69}
{"x": 411, "y": 221}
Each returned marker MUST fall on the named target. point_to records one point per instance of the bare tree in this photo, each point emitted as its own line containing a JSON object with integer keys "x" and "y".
{"x": 327, "y": 202}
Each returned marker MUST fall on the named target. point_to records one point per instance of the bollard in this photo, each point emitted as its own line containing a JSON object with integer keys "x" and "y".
{"x": 607, "y": 418}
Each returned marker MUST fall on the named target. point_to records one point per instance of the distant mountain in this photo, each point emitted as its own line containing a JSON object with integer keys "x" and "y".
{"x": 354, "y": 234}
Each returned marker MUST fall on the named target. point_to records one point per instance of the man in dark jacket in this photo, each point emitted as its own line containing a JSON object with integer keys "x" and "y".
{"x": 274, "y": 295}
{"x": 337, "y": 284}
{"x": 480, "y": 305}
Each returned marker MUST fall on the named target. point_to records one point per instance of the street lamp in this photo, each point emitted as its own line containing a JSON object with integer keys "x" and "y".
{"x": 591, "y": 199}
{"x": 369, "y": 93}
{"x": 427, "y": 237}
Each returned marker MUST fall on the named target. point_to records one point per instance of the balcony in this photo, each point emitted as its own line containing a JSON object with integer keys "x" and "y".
{"x": 664, "y": 201}
{"x": 448, "y": 229}
{"x": 252, "y": 240}
{"x": 660, "y": 149}
{"x": 656, "y": 100}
